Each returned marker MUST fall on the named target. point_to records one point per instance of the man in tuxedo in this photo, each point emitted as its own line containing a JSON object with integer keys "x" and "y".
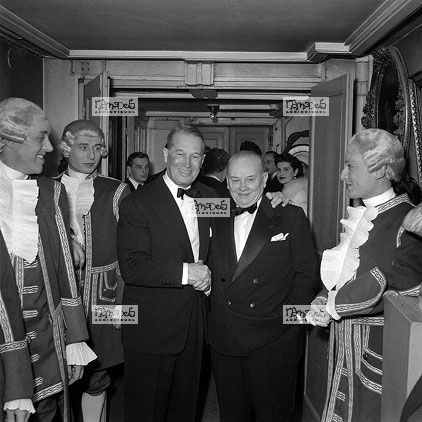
{"x": 272, "y": 185}
{"x": 161, "y": 246}
{"x": 214, "y": 170}
{"x": 137, "y": 166}
{"x": 261, "y": 258}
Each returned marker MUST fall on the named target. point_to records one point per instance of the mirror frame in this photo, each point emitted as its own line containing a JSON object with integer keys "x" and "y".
{"x": 384, "y": 59}
{"x": 415, "y": 85}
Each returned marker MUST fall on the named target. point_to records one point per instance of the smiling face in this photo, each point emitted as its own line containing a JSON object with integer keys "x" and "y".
{"x": 360, "y": 183}
{"x": 184, "y": 158}
{"x": 246, "y": 179}
{"x": 139, "y": 169}
{"x": 28, "y": 157}
{"x": 85, "y": 153}
{"x": 285, "y": 172}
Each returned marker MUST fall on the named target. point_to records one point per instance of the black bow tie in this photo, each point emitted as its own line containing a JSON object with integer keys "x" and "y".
{"x": 192, "y": 192}
{"x": 238, "y": 210}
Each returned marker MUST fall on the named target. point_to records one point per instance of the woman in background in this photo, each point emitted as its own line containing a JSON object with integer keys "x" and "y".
{"x": 295, "y": 185}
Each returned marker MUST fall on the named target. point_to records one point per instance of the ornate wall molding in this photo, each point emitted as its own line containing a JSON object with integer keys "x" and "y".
{"x": 388, "y": 103}
{"x": 415, "y": 85}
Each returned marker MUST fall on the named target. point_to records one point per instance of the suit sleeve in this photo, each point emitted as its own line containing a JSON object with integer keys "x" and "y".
{"x": 304, "y": 259}
{"x": 135, "y": 235}
{"x": 75, "y": 322}
{"x": 365, "y": 294}
{"x": 15, "y": 366}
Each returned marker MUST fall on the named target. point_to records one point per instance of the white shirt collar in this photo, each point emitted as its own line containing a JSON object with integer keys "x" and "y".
{"x": 76, "y": 174}
{"x": 134, "y": 182}
{"x": 379, "y": 199}
{"x": 171, "y": 185}
{"x": 12, "y": 173}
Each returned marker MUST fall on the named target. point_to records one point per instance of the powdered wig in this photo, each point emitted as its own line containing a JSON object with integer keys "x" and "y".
{"x": 380, "y": 148}
{"x": 17, "y": 116}
{"x": 80, "y": 128}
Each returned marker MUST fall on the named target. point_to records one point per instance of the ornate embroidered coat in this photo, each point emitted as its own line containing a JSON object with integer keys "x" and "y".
{"x": 100, "y": 281}
{"x": 51, "y": 306}
{"x": 15, "y": 366}
{"x": 390, "y": 264}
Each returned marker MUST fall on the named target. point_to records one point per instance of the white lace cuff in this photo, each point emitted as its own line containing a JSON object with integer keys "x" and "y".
{"x": 21, "y": 404}
{"x": 79, "y": 354}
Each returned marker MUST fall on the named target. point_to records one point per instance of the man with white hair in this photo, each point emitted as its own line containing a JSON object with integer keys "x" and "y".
{"x": 35, "y": 227}
{"x": 94, "y": 202}
{"x": 375, "y": 257}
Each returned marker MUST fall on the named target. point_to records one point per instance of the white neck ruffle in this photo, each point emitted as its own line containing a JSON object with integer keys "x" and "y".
{"x": 80, "y": 194}
{"x": 339, "y": 264}
{"x": 18, "y": 221}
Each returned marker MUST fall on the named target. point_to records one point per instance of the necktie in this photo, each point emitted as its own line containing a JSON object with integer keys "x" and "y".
{"x": 192, "y": 192}
{"x": 238, "y": 210}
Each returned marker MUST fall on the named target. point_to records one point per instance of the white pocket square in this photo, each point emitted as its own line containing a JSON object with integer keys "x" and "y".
{"x": 210, "y": 232}
{"x": 279, "y": 237}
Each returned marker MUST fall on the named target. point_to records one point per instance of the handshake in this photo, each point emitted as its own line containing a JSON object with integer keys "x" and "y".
{"x": 199, "y": 277}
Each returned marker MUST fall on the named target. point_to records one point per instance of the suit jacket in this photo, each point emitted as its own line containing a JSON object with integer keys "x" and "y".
{"x": 219, "y": 187}
{"x": 248, "y": 295}
{"x": 130, "y": 184}
{"x": 273, "y": 185}
{"x": 152, "y": 245}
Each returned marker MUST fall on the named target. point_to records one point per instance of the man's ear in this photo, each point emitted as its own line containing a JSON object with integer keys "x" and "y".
{"x": 166, "y": 153}
{"x": 381, "y": 172}
{"x": 265, "y": 177}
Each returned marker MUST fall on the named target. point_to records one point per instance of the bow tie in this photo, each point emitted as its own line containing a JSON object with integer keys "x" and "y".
{"x": 192, "y": 192}
{"x": 238, "y": 210}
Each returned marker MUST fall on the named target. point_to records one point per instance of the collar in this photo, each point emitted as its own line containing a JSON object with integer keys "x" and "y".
{"x": 12, "y": 173}
{"x": 379, "y": 199}
{"x": 172, "y": 186}
{"x": 76, "y": 174}
{"x": 258, "y": 203}
{"x": 135, "y": 183}
{"x": 212, "y": 176}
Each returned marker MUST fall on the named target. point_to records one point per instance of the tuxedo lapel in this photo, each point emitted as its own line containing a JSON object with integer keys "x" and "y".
{"x": 261, "y": 231}
{"x": 166, "y": 207}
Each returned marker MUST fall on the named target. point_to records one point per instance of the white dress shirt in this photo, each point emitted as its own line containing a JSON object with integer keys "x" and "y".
{"x": 188, "y": 212}
{"x": 242, "y": 227}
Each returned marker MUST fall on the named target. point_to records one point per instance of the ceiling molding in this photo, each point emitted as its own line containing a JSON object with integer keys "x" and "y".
{"x": 214, "y": 56}
{"x": 390, "y": 14}
{"x": 320, "y": 50}
{"x": 21, "y": 28}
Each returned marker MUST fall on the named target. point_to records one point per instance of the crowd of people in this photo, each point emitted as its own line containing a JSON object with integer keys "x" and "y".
{"x": 82, "y": 240}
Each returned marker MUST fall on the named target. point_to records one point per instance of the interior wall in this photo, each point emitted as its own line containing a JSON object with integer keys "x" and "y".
{"x": 60, "y": 104}
{"x": 21, "y": 73}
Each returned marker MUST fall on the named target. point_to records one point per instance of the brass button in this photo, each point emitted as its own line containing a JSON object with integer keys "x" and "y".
{"x": 252, "y": 305}
{"x": 229, "y": 302}
{"x": 255, "y": 281}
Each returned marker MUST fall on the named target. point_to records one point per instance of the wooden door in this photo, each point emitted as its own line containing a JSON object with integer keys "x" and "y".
{"x": 328, "y": 139}
{"x": 99, "y": 87}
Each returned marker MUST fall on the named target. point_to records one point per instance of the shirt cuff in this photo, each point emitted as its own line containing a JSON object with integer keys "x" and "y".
{"x": 185, "y": 273}
{"x": 79, "y": 354}
{"x": 21, "y": 404}
{"x": 331, "y": 304}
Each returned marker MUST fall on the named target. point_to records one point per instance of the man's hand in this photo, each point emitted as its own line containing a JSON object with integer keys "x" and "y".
{"x": 277, "y": 198}
{"x": 78, "y": 254}
{"x": 74, "y": 373}
{"x": 17, "y": 415}
{"x": 199, "y": 276}
{"x": 319, "y": 312}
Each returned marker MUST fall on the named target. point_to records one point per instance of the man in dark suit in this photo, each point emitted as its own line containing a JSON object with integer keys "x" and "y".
{"x": 261, "y": 259}
{"x": 213, "y": 171}
{"x": 272, "y": 185}
{"x": 162, "y": 245}
{"x": 137, "y": 166}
